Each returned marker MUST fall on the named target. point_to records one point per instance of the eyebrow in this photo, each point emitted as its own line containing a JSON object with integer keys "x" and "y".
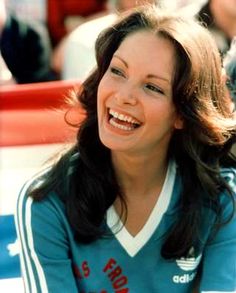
{"x": 121, "y": 59}
{"x": 149, "y": 75}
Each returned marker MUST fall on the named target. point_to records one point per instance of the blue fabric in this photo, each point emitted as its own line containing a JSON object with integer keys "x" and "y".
{"x": 9, "y": 257}
{"x": 54, "y": 262}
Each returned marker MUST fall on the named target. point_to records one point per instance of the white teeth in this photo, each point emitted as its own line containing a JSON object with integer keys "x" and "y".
{"x": 123, "y": 127}
{"x": 123, "y": 117}
{"x": 115, "y": 114}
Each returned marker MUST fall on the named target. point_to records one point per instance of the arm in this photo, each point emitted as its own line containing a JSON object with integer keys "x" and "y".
{"x": 45, "y": 256}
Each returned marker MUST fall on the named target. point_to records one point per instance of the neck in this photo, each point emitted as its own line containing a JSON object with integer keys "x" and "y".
{"x": 139, "y": 175}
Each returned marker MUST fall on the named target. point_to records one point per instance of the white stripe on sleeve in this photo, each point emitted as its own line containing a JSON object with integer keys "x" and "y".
{"x": 27, "y": 238}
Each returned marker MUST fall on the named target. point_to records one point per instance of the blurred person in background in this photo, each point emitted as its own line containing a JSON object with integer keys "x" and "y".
{"x": 24, "y": 48}
{"x": 230, "y": 69}
{"x": 78, "y": 57}
{"x": 219, "y": 16}
{"x": 46, "y": 22}
{"x": 58, "y": 17}
{"x": 5, "y": 74}
{"x": 64, "y": 16}
{"x": 191, "y": 5}
{"x": 229, "y": 64}
{"x": 28, "y": 10}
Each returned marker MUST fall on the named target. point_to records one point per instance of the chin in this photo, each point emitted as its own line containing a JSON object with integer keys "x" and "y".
{"x": 111, "y": 144}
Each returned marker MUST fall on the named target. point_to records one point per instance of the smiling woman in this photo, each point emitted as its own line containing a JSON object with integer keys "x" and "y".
{"x": 135, "y": 107}
{"x": 144, "y": 200}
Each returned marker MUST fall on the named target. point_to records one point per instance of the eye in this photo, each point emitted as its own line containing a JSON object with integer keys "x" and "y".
{"x": 116, "y": 71}
{"x": 154, "y": 88}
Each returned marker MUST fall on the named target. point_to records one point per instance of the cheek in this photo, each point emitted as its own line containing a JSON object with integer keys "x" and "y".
{"x": 163, "y": 118}
{"x": 103, "y": 87}
{"x": 161, "y": 112}
{"x": 100, "y": 94}
{"x": 99, "y": 102}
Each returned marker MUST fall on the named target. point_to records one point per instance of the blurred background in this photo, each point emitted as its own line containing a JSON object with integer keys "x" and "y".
{"x": 46, "y": 51}
{"x": 41, "y": 39}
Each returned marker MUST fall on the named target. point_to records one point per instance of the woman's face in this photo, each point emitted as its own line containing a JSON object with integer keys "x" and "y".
{"x": 135, "y": 108}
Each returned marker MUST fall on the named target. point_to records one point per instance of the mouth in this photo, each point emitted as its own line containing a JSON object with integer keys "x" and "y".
{"x": 122, "y": 121}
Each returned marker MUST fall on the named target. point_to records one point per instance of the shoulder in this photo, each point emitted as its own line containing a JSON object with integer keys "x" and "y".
{"x": 40, "y": 221}
{"x": 222, "y": 205}
{"x": 50, "y": 207}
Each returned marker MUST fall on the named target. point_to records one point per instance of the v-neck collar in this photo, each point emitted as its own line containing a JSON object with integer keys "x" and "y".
{"x": 133, "y": 244}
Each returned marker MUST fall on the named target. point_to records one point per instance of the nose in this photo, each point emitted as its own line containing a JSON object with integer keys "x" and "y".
{"x": 126, "y": 94}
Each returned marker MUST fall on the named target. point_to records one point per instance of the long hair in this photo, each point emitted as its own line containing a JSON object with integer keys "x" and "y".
{"x": 84, "y": 178}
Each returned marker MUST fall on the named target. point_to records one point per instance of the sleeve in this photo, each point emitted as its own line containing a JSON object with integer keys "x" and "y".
{"x": 45, "y": 251}
{"x": 219, "y": 260}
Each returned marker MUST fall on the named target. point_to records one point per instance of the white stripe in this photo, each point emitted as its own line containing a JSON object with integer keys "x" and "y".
{"x": 218, "y": 291}
{"x": 25, "y": 263}
{"x": 20, "y": 233}
{"x": 42, "y": 280}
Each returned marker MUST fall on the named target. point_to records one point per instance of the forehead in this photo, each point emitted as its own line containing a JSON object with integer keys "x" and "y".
{"x": 148, "y": 41}
{"x": 148, "y": 51}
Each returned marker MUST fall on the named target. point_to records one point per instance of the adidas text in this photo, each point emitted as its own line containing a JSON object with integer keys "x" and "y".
{"x": 186, "y": 278}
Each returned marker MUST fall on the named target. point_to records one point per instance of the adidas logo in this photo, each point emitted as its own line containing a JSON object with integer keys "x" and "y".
{"x": 188, "y": 264}
{"x": 186, "y": 278}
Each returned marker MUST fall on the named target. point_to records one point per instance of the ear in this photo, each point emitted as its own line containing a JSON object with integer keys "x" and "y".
{"x": 179, "y": 123}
